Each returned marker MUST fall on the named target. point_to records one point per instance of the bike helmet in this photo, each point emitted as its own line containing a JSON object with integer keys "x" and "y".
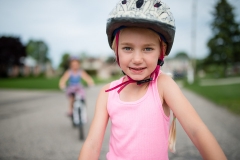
{"x": 149, "y": 14}
{"x": 74, "y": 58}
{"x": 152, "y": 14}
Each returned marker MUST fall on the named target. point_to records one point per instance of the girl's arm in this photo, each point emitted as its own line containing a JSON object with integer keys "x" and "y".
{"x": 87, "y": 78}
{"x": 63, "y": 80}
{"x": 92, "y": 146}
{"x": 189, "y": 119}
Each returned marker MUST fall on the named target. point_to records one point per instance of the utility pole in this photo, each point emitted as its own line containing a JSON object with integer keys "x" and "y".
{"x": 193, "y": 40}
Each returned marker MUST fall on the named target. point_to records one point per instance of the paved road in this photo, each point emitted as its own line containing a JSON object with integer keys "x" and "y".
{"x": 33, "y": 126}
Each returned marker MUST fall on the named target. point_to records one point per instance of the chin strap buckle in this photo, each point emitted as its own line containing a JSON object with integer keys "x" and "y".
{"x": 144, "y": 81}
{"x": 160, "y": 62}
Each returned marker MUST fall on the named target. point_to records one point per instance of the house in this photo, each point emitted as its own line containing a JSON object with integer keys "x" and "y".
{"x": 176, "y": 66}
{"x": 100, "y": 68}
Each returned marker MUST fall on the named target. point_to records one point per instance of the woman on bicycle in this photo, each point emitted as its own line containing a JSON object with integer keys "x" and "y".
{"x": 74, "y": 76}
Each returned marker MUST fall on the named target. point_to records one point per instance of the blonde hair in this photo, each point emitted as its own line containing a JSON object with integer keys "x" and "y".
{"x": 172, "y": 135}
{"x": 114, "y": 44}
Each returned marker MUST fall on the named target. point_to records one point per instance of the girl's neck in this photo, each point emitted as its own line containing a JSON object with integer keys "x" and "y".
{"x": 132, "y": 91}
{"x": 126, "y": 78}
{"x": 74, "y": 70}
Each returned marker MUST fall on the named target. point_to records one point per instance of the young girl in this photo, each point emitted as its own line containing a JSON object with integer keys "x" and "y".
{"x": 141, "y": 33}
{"x": 74, "y": 76}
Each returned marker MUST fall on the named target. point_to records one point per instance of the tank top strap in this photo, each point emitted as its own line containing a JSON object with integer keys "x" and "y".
{"x": 80, "y": 72}
{"x": 113, "y": 96}
{"x": 156, "y": 80}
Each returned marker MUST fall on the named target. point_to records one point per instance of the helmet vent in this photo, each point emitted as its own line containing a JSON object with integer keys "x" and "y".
{"x": 124, "y": 2}
{"x": 139, "y": 3}
{"x": 157, "y": 5}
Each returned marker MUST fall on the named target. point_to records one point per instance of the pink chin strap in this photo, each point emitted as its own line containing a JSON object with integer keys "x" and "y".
{"x": 153, "y": 75}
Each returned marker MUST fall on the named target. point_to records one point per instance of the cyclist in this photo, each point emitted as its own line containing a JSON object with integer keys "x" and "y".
{"x": 74, "y": 76}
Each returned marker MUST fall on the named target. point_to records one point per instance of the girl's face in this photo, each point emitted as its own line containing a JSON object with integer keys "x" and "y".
{"x": 139, "y": 51}
{"x": 74, "y": 65}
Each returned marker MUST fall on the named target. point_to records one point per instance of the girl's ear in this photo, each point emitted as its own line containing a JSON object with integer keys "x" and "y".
{"x": 164, "y": 46}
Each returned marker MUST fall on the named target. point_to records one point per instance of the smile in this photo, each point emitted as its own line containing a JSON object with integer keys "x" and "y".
{"x": 137, "y": 70}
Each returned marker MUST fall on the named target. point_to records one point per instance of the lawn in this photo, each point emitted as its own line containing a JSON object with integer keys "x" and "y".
{"x": 40, "y": 82}
{"x": 225, "y": 95}
{"x": 30, "y": 83}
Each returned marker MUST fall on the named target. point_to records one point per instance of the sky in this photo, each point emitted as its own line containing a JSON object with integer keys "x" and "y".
{"x": 77, "y": 26}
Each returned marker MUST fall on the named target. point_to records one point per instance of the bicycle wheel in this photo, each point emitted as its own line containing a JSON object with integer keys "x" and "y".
{"x": 81, "y": 130}
{"x": 75, "y": 116}
{"x": 73, "y": 124}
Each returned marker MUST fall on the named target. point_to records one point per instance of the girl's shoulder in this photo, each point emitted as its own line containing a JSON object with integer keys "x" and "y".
{"x": 167, "y": 88}
{"x": 163, "y": 77}
{"x": 165, "y": 81}
{"x": 103, "y": 90}
{"x": 106, "y": 86}
{"x": 69, "y": 71}
{"x": 112, "y": 84}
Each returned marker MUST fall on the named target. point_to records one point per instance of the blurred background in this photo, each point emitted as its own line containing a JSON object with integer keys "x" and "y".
{"x": 38, "y": 37}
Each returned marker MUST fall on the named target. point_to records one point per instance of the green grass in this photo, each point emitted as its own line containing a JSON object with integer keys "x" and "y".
{"x": 40, "y": 82}
{"x": 30, "y": 83}
{"x": 225, "y": 95}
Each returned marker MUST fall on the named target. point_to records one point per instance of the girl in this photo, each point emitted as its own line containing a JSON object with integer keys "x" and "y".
{"x": 74, "y": 76}
{"x": 141, "y": 33}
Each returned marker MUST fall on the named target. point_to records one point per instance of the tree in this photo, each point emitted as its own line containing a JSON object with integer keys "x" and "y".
{"x": 64, "y": 64}
{"x": 38, "y": 50}
{"x": 224, "y": 46}
{"x": 11, "y": 53}
{"x": 83, "y": 55}
{"x": 182, "y": 55}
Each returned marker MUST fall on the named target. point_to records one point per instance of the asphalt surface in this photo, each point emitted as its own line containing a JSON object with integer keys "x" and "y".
{"x": 34, "y": 126}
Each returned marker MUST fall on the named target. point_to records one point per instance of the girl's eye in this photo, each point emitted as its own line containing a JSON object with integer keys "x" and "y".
{"x": 127, "y": 48}
{"x": 148, "y": 49}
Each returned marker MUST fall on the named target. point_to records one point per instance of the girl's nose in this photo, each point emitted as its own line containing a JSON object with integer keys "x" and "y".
{"x": 137, "y": 58}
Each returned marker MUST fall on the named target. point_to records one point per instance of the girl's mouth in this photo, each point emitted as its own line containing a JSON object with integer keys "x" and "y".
{"x": 137, "y": 70}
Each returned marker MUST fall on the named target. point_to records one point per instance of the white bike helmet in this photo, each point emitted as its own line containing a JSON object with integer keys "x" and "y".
{"x": 152, "y": 14}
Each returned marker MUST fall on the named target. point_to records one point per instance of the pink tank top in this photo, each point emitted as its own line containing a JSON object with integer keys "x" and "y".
{"x": 139, "y": 129}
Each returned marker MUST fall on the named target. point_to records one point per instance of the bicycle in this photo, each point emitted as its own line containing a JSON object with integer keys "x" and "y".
{"x": 79, "y": 116}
